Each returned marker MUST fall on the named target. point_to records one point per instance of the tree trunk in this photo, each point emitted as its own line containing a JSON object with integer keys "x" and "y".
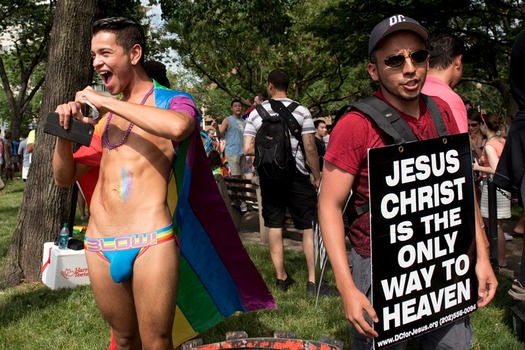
{"x": 45, "y": 207}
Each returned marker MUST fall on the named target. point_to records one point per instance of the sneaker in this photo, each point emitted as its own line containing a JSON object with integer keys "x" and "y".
{"x": 508, "y": 237}
{"x": 243, "y": 207}
{"x": 517, "y": 292}
{"x": 284, "y": 284}
{"x": 325, "y": 290}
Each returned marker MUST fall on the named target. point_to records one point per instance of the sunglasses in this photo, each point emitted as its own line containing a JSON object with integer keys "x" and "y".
{"x": 397, "y": 61}
{"x": 473, "y": 125}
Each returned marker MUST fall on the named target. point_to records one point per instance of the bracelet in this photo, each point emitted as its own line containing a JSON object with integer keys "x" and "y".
{"x": 482, "y": 225}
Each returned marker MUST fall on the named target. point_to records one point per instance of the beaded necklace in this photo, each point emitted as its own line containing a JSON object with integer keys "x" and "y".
{"x": 119, "y": 143}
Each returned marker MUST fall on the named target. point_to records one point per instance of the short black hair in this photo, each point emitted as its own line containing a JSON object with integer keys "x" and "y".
{"x": 279, "y": 79}
{"x": 444, "y": 48}
{"x": 475, "y": 116}
{"x": 235, "y": 100}
{"x": 127, "y": 32}
{"x": 317, "y": 122}
{"x": 157, "y": 70}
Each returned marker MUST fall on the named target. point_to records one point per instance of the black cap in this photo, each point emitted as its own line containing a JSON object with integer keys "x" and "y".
{"x": 393, "y": 24}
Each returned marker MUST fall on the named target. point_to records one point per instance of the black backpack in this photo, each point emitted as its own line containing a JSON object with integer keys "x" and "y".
{"x": 273, "y": 150}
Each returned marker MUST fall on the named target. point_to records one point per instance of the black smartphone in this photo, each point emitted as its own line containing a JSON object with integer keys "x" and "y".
{"x": 78, "y": 131}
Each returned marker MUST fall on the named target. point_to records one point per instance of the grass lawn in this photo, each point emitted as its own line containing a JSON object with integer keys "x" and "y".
{"x": 35, "y": 317}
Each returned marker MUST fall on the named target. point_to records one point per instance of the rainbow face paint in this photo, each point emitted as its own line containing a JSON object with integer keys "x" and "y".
{"x": 126, "y": 184}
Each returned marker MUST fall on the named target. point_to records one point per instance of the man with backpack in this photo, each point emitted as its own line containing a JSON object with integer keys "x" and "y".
{"x": 399, "y": 63}
{"x": 280, "y": 133}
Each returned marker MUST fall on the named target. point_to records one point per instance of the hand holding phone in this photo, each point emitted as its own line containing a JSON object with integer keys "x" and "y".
{"x": 95, "y": 114}
{"x": 78, "y": 131}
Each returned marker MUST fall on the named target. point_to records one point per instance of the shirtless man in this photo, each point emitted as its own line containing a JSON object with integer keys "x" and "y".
{"x": 135, "y": 284}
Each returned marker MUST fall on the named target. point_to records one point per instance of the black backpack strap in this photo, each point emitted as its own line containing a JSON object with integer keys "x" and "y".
{"x": 263, "y": 113}
{"x": 286, "y": 114}
{"x": 386, "y": 118}
{"x": 293, "y": 124}
{"x": 435, "y": 112}
{"x": 391, "y": 123}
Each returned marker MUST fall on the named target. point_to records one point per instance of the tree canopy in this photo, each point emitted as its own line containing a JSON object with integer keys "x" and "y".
{"x": 234, "y": 45}
{"x": 323, "y": 43}
{"x": 27, "y": 24}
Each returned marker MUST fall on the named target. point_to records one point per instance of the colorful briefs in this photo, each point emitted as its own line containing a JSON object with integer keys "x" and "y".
{"x": 121, "y": 252}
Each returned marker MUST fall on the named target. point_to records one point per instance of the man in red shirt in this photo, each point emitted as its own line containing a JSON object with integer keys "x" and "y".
{"x": 399, "y": 63}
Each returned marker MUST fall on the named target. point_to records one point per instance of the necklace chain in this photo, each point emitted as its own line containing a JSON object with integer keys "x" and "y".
{"x": 120, "y": 142}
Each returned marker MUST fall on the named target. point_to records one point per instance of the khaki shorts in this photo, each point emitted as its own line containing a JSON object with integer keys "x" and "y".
{"x": 236, "y": 164}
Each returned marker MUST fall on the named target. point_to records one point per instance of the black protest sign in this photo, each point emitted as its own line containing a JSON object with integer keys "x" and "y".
{"x": 422, "y": 236}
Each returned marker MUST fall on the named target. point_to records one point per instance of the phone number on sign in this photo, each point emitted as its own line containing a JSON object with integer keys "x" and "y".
{"x": 457, "y": 314}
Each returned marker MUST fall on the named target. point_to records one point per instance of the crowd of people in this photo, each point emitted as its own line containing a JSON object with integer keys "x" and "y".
{"x": 408, "y": 66}
{"x": 15, "y": 156}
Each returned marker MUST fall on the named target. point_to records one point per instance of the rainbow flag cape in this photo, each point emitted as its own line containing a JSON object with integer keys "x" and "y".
{"x": 217, "y": 277}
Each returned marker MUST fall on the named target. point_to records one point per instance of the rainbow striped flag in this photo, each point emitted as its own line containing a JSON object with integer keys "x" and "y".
{"x": 217, "y": 277}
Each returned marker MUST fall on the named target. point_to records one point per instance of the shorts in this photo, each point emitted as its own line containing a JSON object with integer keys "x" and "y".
{"x": 236, "y": 164}
{"x": 503, "y": 201}
{"x": 297, "y": 194}
{"x": 456, "y": 335}
{"x": 25, "y": 172}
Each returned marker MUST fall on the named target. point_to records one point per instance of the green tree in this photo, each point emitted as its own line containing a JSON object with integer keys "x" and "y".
{"x": 234, "y": 45}
{"x": 323, "y": 43}
{"x": 488, "y": 28}
{"x": 21, "y": 65}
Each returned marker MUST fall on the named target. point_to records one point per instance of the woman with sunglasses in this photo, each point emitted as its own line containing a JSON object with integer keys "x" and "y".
{"x": 476, "y": 136}
{"x": 490, "y": 127}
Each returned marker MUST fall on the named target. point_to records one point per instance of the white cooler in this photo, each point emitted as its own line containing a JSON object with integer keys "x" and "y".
{"x": 63, "y": 268}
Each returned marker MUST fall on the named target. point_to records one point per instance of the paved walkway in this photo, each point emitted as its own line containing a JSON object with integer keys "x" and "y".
{"x": 249, "y": 232}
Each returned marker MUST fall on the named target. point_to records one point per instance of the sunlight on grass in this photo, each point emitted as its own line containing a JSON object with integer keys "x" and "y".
{"x": 35, "y": 317}
{"x": 10, "y": 201}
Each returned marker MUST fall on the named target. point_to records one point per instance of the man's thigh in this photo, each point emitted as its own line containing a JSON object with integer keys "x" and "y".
{"x": 155, "y": 277}
{"x": 274, "y": 201}
{"x": 115, "y": 300}
{"x": 458, "y": 335}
